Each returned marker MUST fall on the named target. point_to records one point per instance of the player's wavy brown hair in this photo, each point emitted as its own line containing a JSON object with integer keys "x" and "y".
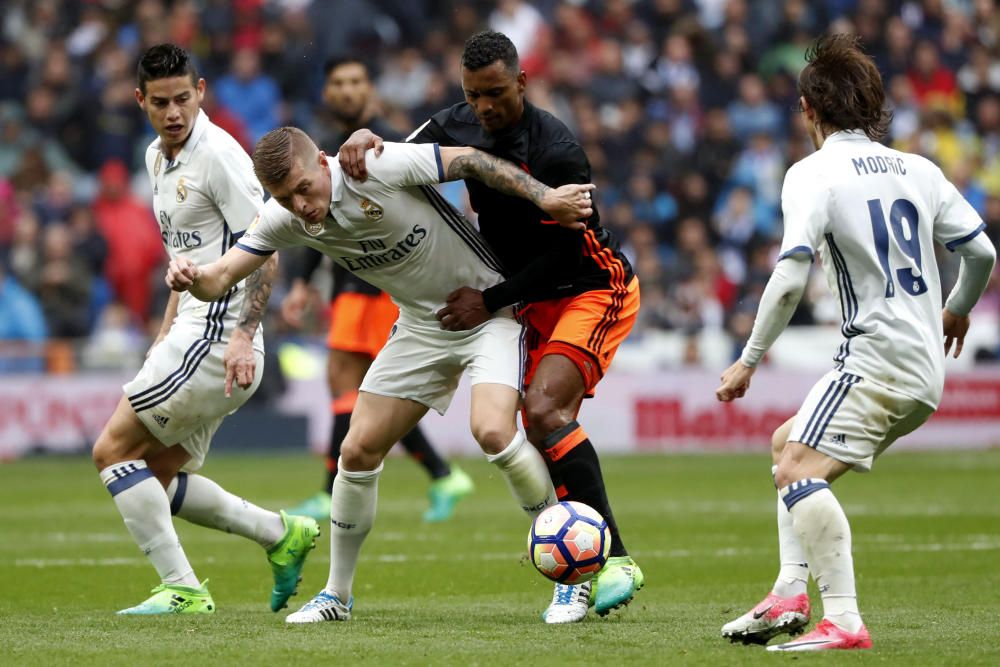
{"x": 272, "y": 157}
{"x": 843, "y": 86}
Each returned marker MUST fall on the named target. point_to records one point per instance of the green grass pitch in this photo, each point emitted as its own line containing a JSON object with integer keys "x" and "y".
{"x": 926, "y": 545}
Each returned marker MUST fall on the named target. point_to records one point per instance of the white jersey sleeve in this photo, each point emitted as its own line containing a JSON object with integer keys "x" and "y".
{"x": 235, "y": 188}
{"x": 271, "y": 229}
{"x": 955, "y": 221}
{"x": 403, "y": 165}
{"x": 804, "y": 205}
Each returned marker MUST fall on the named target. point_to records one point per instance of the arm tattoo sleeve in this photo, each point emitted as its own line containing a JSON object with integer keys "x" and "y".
{"x": 499, "y": 174}
{"x": 258, "y": 291}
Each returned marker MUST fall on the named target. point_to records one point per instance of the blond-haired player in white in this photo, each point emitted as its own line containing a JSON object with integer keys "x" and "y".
{"x": 872, "y": 216}
{"x": 397, "y": 233}
{"x": 204, "y": 196}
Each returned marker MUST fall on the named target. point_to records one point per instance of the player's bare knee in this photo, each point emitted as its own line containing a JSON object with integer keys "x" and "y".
{"x": 492, "y": 435}
{"x": 544, "y": 417}
{"x": 109, "y": 450}
{"x": 356, "y": 456}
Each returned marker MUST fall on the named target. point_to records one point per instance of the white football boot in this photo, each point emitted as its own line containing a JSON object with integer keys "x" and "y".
{"x": 569, "y": 603}
{"x": 323, "y": 607}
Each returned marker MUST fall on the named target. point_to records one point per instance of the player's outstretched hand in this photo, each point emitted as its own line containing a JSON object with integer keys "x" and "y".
{"x": 181, "y": 274}
{"x": 955, "y": 328}
{"x": 570, "y": 205}
{"x": 295, "y": 303}
{"x": 240, "y": 362}
{"x": 735, "y": 382}
{"x": 465, "y": 310}
{"x": 352, "y": 153}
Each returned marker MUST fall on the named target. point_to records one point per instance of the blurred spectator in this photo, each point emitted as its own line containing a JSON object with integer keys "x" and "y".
{"x": 520, "y": 21}
{"x": 21, "y": 321}
{"x": 405, "y": 79}
{"x": 9, "y": 210}
{"x": 761, "y": 167}
{"x": 683, "y": 106}
{"x": 135, "y": 248}
{"x": 63, "y": 285}
{"x": 933, "y": 84}
{"x": 752, "y": 113}
{"x": 250, "y": 95}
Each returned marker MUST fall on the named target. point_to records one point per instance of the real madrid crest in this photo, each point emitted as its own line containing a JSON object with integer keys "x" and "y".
{"x": 372, "y": 210}
{"x": 158, "y": 163}
{"x": 313, "y": 228}
{"x": 182, "y": 192}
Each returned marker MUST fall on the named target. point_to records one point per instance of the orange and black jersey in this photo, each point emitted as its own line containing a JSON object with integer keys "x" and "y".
{"x": 343, "y": 280}
{"x": 543, "y": 260}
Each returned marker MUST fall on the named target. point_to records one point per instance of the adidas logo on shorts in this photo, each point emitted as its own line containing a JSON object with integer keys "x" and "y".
{"x": 161, "y": 420}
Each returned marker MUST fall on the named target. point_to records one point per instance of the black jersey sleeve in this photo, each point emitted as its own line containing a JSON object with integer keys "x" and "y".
{"x": 430, "y": 132}
{"x": 538, "y": 280}
{"x": 311, "y": 259}
{"x": 563, "y": 163}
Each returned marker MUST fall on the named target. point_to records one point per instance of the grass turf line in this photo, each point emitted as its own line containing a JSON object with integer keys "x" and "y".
{"x": 926, "y": 542}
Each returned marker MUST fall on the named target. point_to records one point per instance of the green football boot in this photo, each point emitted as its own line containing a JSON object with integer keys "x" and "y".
{"x": 316, "y": 507}
{"x": 289, "y": 555}
{"x": 616, "y": 584}
{"x": 175, "y": 599}
{"x": 445, "y": 493}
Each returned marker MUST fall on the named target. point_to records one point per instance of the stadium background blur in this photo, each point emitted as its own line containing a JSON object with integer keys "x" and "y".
{"x": 685, "y": 108}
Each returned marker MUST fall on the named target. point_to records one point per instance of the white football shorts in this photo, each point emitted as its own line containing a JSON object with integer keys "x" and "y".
{"x": 179, "y": 393}
{"x": 424, "y": 364}
{"x": 853, "y": 420}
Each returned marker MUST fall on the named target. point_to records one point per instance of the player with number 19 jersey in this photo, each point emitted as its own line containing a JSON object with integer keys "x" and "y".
{"x": 872, "y": 213}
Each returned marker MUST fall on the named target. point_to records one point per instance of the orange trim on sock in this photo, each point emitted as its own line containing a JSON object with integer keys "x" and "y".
{"x": 561, "y": 491}
{"x": 344, "y": 404}
{"x": 564, "y": 446}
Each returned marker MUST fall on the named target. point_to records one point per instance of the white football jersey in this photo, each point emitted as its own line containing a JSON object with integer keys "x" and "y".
{"x": 394, "y": 230}
{"x": 204, "y": 199}
{"x": 873, "y": 215}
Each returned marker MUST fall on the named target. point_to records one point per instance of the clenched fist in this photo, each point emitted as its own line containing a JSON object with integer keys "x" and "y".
{"x": 181, "y": 274}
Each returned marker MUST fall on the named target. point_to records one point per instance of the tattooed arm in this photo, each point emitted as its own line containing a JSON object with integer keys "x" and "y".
{"x": 568, "y": 204}
{"x": 241, "y": 365}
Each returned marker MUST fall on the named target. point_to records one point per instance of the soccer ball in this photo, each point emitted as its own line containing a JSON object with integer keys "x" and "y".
{"x": 569, "y": 542}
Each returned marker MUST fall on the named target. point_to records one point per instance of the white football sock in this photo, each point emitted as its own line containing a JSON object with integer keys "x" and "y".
{"x": 826, "y": 536}
{"x": 201, "y": 501}
{"x": 143, "y": 505}
{"x": 352, "y": 514}
{"x": 793, "y": 576}
{"x": 527, "y": 477}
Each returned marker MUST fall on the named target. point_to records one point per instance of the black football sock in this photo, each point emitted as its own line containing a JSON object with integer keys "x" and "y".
{"x": 342, "y": 409}
{"x": 572, "y": 460}
{"x": 420, "y": 448}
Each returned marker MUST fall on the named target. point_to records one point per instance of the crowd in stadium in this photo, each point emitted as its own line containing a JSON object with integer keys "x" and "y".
{"x": 686, "y": 109}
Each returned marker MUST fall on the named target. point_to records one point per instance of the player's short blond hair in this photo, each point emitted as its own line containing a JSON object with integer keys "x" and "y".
{"x": 274, "y": 153}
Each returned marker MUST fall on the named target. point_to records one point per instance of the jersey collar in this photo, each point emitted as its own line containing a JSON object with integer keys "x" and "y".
{"x": 197, "y": 132}
{"x": 846, "y": 135}
{"x": 336, "y": 181}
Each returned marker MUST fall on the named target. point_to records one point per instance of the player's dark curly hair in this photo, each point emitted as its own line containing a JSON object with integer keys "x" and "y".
{"x": 486, "y": 47}
{"x": 842, "y": 84}
{"x": 164, "y": 61}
